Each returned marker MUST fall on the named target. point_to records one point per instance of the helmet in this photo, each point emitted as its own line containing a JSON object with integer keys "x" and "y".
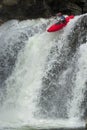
{"x": 59, "y": 14}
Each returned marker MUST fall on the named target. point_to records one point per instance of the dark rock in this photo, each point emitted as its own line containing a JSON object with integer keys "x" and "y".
{"x": 26, "y": 9}
{"x": 10, "y": 2}
{"x": 1, "y": 21}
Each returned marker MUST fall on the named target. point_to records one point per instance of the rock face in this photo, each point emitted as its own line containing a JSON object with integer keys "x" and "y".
{"x": 25, "y": 9}
{"x": 10, "y": 2}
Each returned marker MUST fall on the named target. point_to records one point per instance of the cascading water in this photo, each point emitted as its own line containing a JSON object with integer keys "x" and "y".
{"x": 43, "y": 75}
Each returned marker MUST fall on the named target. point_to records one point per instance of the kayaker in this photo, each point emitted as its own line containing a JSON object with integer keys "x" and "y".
{"x": 60, "y": 18}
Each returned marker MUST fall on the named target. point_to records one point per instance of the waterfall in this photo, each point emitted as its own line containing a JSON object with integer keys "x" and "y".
{"x": 43, "y": 75}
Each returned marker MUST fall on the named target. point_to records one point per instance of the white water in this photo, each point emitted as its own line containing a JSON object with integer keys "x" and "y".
{"x": 80, "y": 83}
{"x": 23, "y": 86}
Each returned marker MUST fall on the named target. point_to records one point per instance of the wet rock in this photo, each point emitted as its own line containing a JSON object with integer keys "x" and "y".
{"x": 10, "y": 2}
{"x": 1, "y": 6}
{"x": 27, "y": 9}
{"x": 74, "y": 8}
{"x": 1, "y": 21}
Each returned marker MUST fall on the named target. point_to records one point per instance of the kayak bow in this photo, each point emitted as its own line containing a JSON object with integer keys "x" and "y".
{"x": 57, "y": 27}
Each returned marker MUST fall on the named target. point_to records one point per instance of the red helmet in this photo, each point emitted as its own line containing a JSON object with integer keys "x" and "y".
{"x": 59, "y": 14}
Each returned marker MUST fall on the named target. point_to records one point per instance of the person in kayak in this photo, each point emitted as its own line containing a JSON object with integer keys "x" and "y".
{"x": 60, "y": 18}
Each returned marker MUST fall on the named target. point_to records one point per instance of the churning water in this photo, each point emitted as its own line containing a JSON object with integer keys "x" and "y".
{"x": 43, "y": 76}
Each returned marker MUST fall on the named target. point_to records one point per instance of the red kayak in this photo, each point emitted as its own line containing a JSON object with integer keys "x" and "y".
{"x": 57, "y": 27}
